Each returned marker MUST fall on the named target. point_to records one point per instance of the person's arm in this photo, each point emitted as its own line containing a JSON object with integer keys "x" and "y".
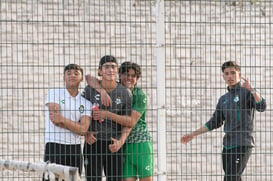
{"x": 117, "y": 144}
{"x": 58, "y": 119}
{"x": 94, "y": 83}
{"x": 188, "y": 137}
{"x": 248, "y": 86}
{"x": 215, "y": 122}
{"x": 125, "y": 133}
{"x": 256, "y": 95}
{"x": 90, "y": 137}
{"x": 124, "y": 120}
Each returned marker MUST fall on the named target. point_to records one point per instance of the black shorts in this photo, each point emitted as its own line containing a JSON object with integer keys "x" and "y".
{"x": 69, "y": 155}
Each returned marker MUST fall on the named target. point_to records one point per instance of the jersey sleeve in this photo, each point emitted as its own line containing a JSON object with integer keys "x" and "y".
{"x": 53, "y": 96}
{"x": 259, "y": 106}
{"x": 87, "y": 93}
{"x": 128, "y": 104}
{"x": 217, "y": 118}
{"x": 139, "y": 101}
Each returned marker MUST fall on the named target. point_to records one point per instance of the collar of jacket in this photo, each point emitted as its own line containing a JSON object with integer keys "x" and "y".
{"x": 234, "y": 88}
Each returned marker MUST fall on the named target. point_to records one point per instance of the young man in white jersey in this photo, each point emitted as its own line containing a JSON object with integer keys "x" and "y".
{"x": 68, "y": 116}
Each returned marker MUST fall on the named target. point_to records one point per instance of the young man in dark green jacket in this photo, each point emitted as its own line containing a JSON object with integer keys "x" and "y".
{"x": 235, "y": 110}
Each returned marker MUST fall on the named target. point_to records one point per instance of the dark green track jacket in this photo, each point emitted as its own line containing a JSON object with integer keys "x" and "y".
{"x": 236, "y": 110}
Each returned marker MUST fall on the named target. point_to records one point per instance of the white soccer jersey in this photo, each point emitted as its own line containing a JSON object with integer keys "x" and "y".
{"x": 72, "y": 108}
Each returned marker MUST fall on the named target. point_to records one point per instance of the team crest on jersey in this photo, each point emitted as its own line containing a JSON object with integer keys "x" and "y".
{"x": 236, "y": 99}
{"x": 97, "y": 97}
{"x": 118, "y": 100}
{"x": 144, "y": 100}
{"x": 81, "y": 108}
{"x": 148, "y": 168}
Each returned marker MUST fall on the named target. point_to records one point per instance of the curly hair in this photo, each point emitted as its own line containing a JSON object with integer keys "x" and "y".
{"x": 126, "y": 66}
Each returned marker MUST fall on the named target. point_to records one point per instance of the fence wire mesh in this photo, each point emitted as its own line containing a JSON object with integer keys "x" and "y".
{"x": 38, "y": 38}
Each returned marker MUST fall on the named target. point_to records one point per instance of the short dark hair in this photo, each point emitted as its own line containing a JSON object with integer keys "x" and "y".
{"x": 231, "y": 64}
{"x": 73, "y": 67}
{"x": 125, "y": 66}
{"x": 107, "y": 58}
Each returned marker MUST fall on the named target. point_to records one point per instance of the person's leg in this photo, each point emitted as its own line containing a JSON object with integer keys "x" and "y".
{"x": 243, "y": 157}
{"x": 234, "y": 162}
{"x": 145, "y": 162}
{"x": 141, "y": 179}
{"x": 129, "y": 164}
{"x": 146, "y": 179}
{"x": 73, "y": 155}
{"x": 138, "y": 161}
{"x": 129, "y": 179}
{"x": 113, "y": 165}
{"x": 229, "y": 165}
{"x": 52, "y": 155}
{"x": 47, "y": 152}
{"x": 93, "y": 161}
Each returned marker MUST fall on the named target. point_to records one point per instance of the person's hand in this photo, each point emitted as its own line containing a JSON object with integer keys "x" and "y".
{"x": 90, "y": 138}
{"x": 98, "y": 114}
{"x": 115, "y": 146}
{"x": 88, "y": 78}
{"x": 186, "y": 138}
{"x": 56, "y": 117}
{"x": 105, "y": 98}
{"x": 247, "y": 84}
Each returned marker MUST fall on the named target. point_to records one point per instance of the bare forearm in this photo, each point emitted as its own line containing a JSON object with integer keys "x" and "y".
{"x": 188, "y": 137}
{"x": 94, "y": 83}
{"x": 76, "y": 127}
{"x": 126, "y": 121}
{"x": 199, "y": 131}
{"x": 125, "y": 133}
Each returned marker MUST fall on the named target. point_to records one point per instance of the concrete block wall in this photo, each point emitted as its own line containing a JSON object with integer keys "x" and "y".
{"x": 39, "y": 37}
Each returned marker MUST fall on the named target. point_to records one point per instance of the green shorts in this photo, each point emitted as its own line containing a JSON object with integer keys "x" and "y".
{"x": 138, "y": 160}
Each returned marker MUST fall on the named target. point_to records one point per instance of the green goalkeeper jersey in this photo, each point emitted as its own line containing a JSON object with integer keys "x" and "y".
{"x": 139, "y": 133}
